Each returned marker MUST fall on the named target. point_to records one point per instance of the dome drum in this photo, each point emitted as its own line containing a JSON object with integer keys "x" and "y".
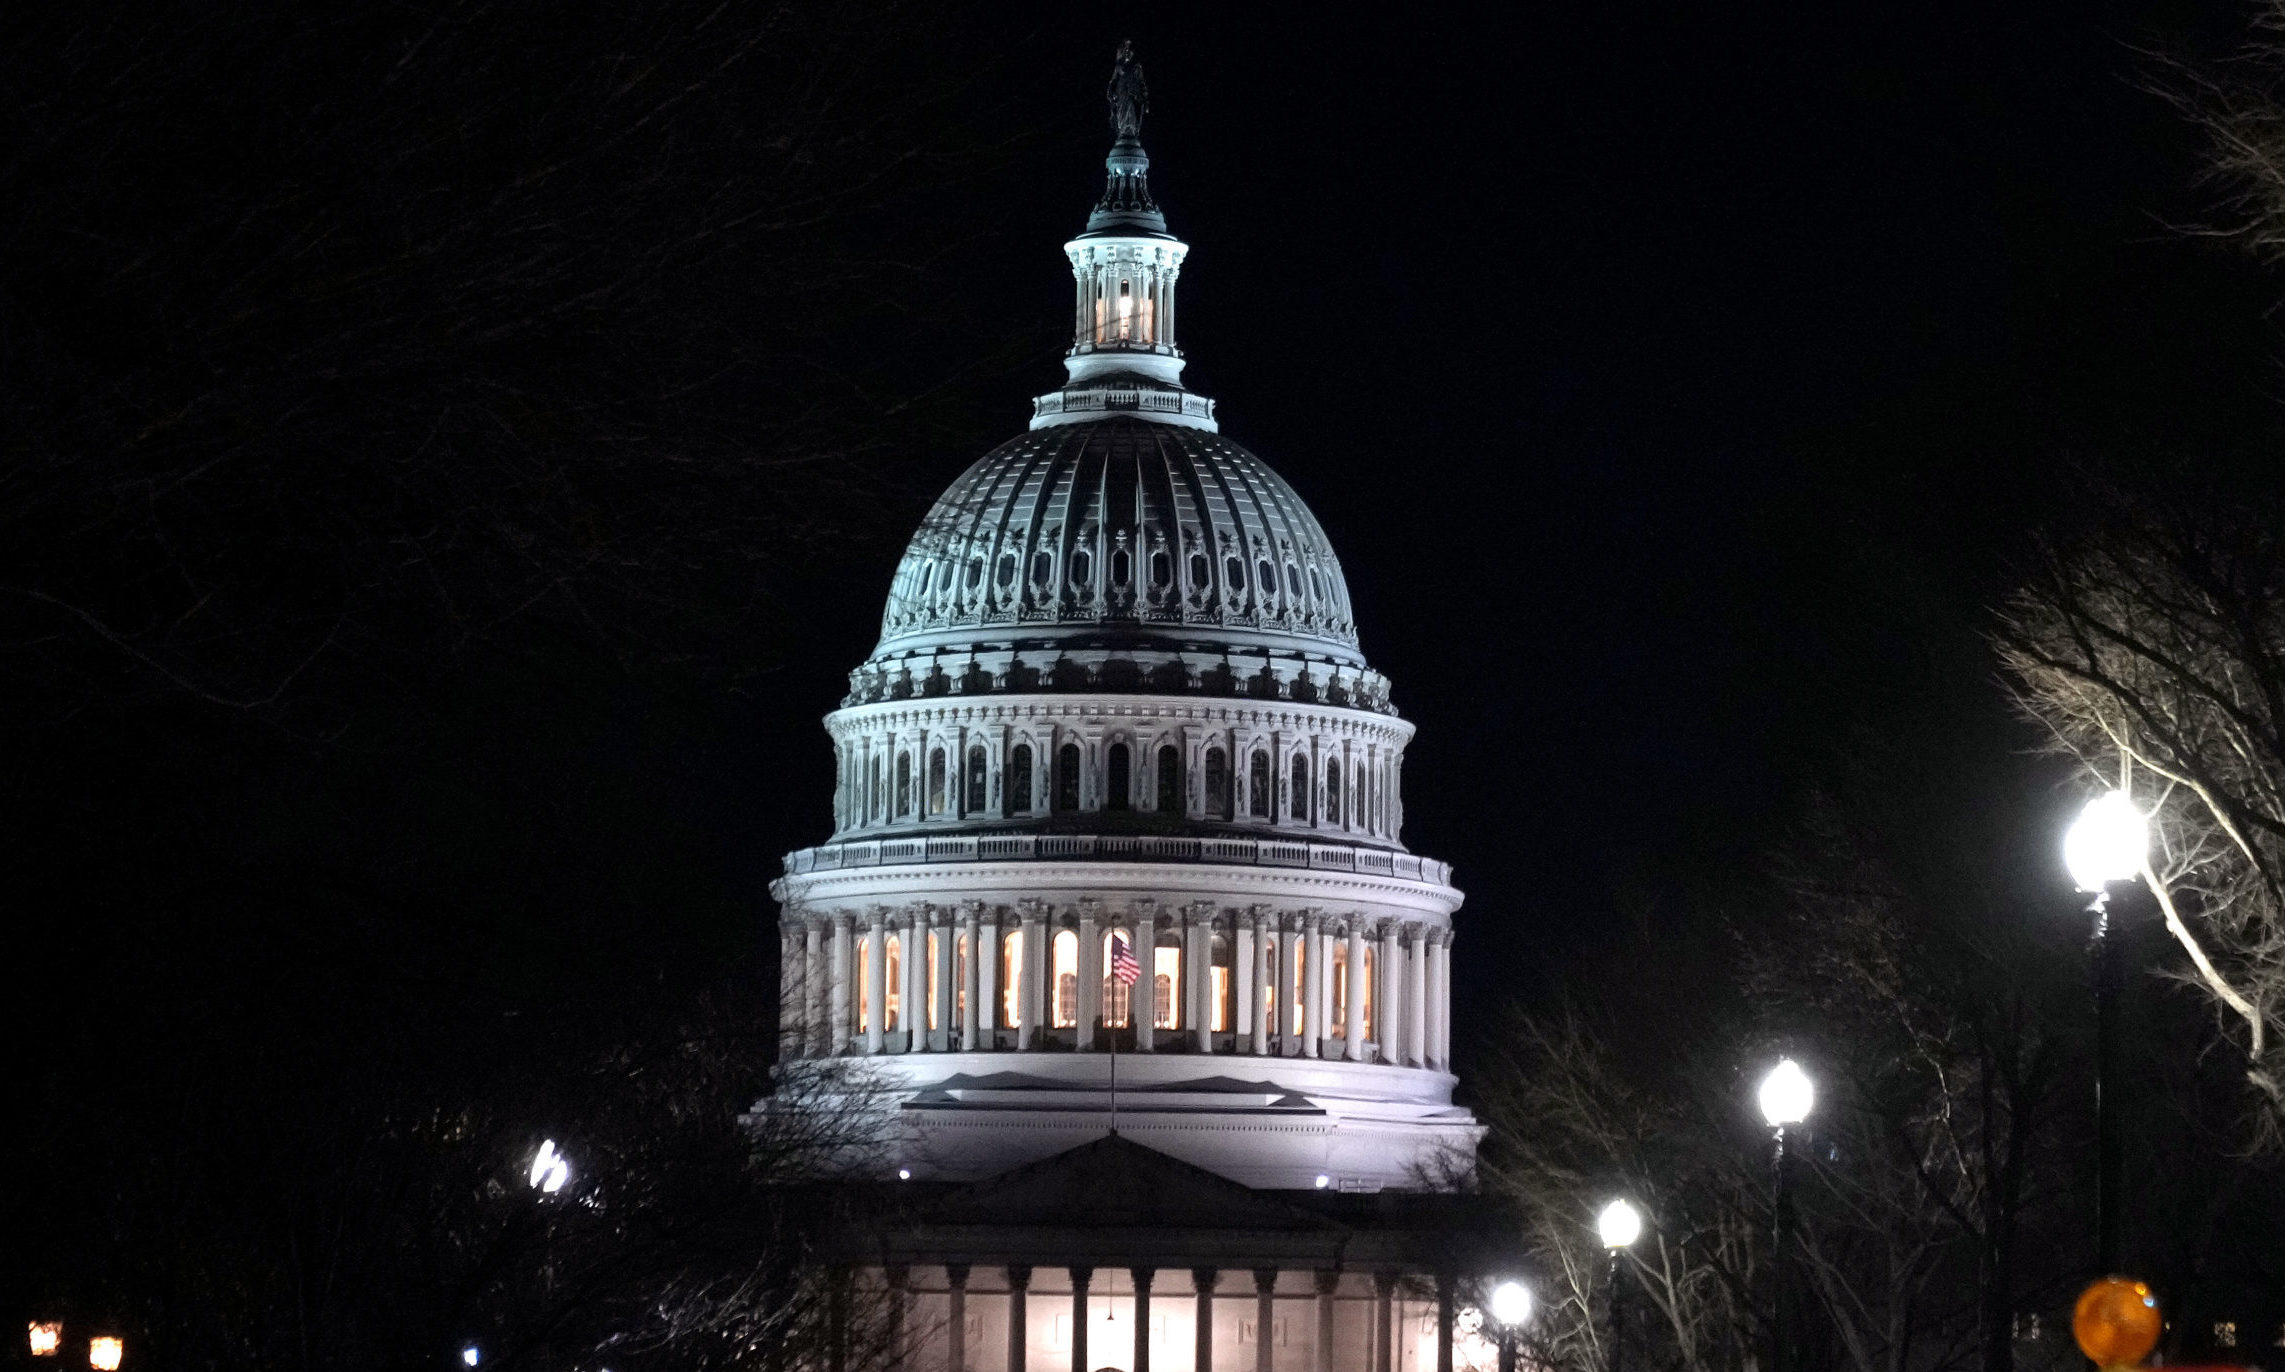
{"x": 1230, "y": 672}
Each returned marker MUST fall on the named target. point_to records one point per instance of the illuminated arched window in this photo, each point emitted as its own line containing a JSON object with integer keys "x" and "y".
{"x": 1011, "y": 979}
{"x": 936, "y": 781}
{"x": 1224, "y": 986}
{"x": 1169, "y": 780}
{"x": 895, "y": 969}
{"x": 1067, "y": 777}
{"x": 863, "y": 1000}
{"x": 960, "y": 953}
{"x": 1217, "y": 783}
{"x": 1165, "y": 975}
{"x": 1298, "y": 984}
{"x": 1066, "y": 964}
{"x": 1117, "y": 780}
{"x": 974, "y": 803}
{"x": 1332, "y": 793}
{"x": 1257, "y": 789}
{"x": 1337, "y": 1015}
{"x": 1019, "y": 780}
{"x": 1299, "y": 796}
{"x": 904, "y": 785}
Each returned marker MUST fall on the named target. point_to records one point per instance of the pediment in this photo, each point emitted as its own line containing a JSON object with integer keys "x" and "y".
{"x": 1115, "y": 1183}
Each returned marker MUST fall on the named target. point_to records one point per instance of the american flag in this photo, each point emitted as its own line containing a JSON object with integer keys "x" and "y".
{"x": 1123, "y": 964}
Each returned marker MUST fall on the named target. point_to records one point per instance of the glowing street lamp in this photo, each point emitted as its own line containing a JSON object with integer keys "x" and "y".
{"x": 1618, "y": 1227}
{"x": 47, "y": 1338}
{"x": 1786, "y": 1098}
{"x": 471, "y": 1355}
{"x": 104, "y": 1353}
{"x": 550, "y": 1170}
{"x": 1511, "y": 1309}
{"x": 2109, "y": 842}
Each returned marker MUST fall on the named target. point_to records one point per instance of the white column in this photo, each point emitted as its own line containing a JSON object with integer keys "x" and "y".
{"x": 790, "y": 952}
{"x": 946, "y": 930}
{"x": 817, "y": 1037}
{"x": 1265, "y": 941}
{"x": 1313, "y": 1031}
{"x": 1090, "y": 976}
{"x": 1142, "y": 1002}
{"x": 970, "y": 988}
{"x": 986, "y": 1012}
{"x": 1388, "y": 1011}
{"x": 1417, "y": 998}
{"x": 1198, "y": 970}
{"x": 1288, "y": 944}
{"x": 1354, "y": 992}
{"x": 844, "y": 986}
{"x": 1440, "y": 1003}
{"x": 877, "y": 979}
{"x": 912, "y": 973}
{"x": 1027, "y": 995}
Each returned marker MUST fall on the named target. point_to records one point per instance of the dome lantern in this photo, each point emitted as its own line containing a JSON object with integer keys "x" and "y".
{"x": 1123, "y": 357}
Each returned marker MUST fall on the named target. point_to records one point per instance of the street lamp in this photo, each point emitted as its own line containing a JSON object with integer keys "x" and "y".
{"x": 1618, "y": 1226}
{"x": 1786, "y": 1098}
{"x": 2109, "y": 842}
{"x": 47, "y": 1337}
{"x": 1511, "y": 1308}
{"x": 104, "y": 1353}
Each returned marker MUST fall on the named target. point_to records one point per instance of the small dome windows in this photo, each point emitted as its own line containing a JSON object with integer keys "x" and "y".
{"x": 1161, "y": 570}
{"x": 1293, "y": 580}
{"x": 1082, "y": 568}
{"x": 1268, "y": 575}
{"x": 1201, "y": 570}
{"x": 1120, "y": 567}
{"x": 1042, "y": 567}
{"x": 1005, "y": 576}
{"x": 1234, "y": 572}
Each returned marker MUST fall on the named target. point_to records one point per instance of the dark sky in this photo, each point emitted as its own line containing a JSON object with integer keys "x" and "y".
{"x": 1675, "y": 382}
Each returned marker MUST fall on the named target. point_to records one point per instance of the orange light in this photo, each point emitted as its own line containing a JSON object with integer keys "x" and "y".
{"x": 47, "y": 1337}
{"x": 103, "y": 1354}
{"x": 2116, "y": 1322}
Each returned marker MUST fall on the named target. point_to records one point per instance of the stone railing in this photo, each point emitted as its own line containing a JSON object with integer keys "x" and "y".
{"x": 1240, "y": 852}
{"x": 1132, "y": 399}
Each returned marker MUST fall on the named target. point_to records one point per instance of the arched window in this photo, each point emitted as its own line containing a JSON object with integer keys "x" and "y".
{"x": 1019, "y": 780}
{"x": 1005, "y": 576}
{"x": 1223, "y": 984}
{"x": 1300, "y": 793}
{"x": 1293, "y": 580}
{"x": 974, "y": 802}
{"x": 927, "y": 575}
{"x": 895, "y": 968}
{"x": 1332, "y": 792}
{"x": 863, "y": 1000}
{"x": 1011, "y": 979}
{"x": 1217, "y": 783}
{"x": 904, "y": 784}
{"x": 936, "y": 781}
{"x": 1316, "y": 584}
{"x": 1117, "y": 995}
{"x": 1161, "y": 570}
{"x": 1257, "y": 798}
{"x": 1268, "y": 581}
{"x": 1066, "y": 979}
{"x": 1337, "y": 1015}
{"x": 1165, "y": 974}
{"x": 1372, "y": 1012}
{"x": 1067, "y": 777}
{"x": 1081, "y": 566}
{"x": 1169, "y": 780}
{"x": 1116, "y": 770}
{"x": 975, "y": 572}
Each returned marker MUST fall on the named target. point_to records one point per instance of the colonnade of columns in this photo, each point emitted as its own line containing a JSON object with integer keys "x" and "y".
{"x": 922, "y": 1344}
{"x": 1264, "y": 981}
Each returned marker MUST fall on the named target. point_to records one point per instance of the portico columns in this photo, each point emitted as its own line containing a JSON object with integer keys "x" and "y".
{"x": 877, "y": 979}
{"x": 1198, "y": 973}
{"x": 1142, "y": 1278}
{"x": 1313, "y": 964}
{"x": 1384, "y": 1323}
{"x": 791, "y": 951}
{"x": 1445, "y": 1295}
{"x": 1142, "y": 998}
{"x": 1416, "y": 1000}
{"x": 943, "y": 932}
{"x": 912, "y": 960}
{"x": 984, "y": 950}
{"x": 1080, "y": 1276}
{"x": 970, "y": 992}
{"x": 1354, "y": 992}
{"x": 1288, "y": 942}
{"x": 1265, "y": 1318}
{"x": 1202, "y": 1280}
{"x": 1440, "y": 1000}
{"x": 1090, "y": 976}
{"x": 897, "y": 1278}
{"x": 1265, "y": 944}
{"x": 956, "y": 1317}
{"x": 1389, "y": 1013}
{"x": 1019, "y": 1337}
{"x": 817, "y": 1036}
{"x": 1027, "y": 995}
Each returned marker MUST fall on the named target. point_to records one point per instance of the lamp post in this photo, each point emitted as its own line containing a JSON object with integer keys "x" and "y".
{"x": 2109, "y": 842}
{"x": 1786, "y": 1098}
{"x": 1618, "y": 1226}
{"x": 1511, "y": 1308}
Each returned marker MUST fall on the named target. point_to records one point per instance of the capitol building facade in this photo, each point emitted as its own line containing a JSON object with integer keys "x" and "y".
{"x": 1119, "y": 706}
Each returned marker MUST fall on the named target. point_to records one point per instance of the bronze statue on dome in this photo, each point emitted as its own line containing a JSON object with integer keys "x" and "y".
{"x": 1129, "y": 94}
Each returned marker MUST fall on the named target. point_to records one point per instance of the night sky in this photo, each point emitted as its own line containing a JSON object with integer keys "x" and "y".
{"x": 1676, "y": 386}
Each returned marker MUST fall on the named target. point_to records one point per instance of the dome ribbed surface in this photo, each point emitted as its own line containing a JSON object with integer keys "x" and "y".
{"x": 1116, "y": 524}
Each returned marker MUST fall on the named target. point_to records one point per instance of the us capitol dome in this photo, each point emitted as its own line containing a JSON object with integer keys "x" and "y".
{"x": 1119, "y": 705}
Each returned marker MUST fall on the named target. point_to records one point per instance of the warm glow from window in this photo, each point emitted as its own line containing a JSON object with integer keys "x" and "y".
{"x": 960, "y": 979}
{"x": 103, "y": 1354}
{"x": 47, "y": 1337}
{"x": 864, "y": 997}
{"x": 1011, "y": 978}
{"x": 1372, "y": 1024}
{"x": 895, "y": 967}
{"x": 1220, "y": 1023}
{"x": 1166, "y": 974}
{"x": 1337, "y": 1018}
{"x": 1300, "y": 986}
{"x": 933, "y": 988}
{"x": 1066, "y": 965}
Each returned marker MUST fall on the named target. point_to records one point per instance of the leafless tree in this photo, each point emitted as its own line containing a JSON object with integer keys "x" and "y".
{"x": 2152, "y": 649}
